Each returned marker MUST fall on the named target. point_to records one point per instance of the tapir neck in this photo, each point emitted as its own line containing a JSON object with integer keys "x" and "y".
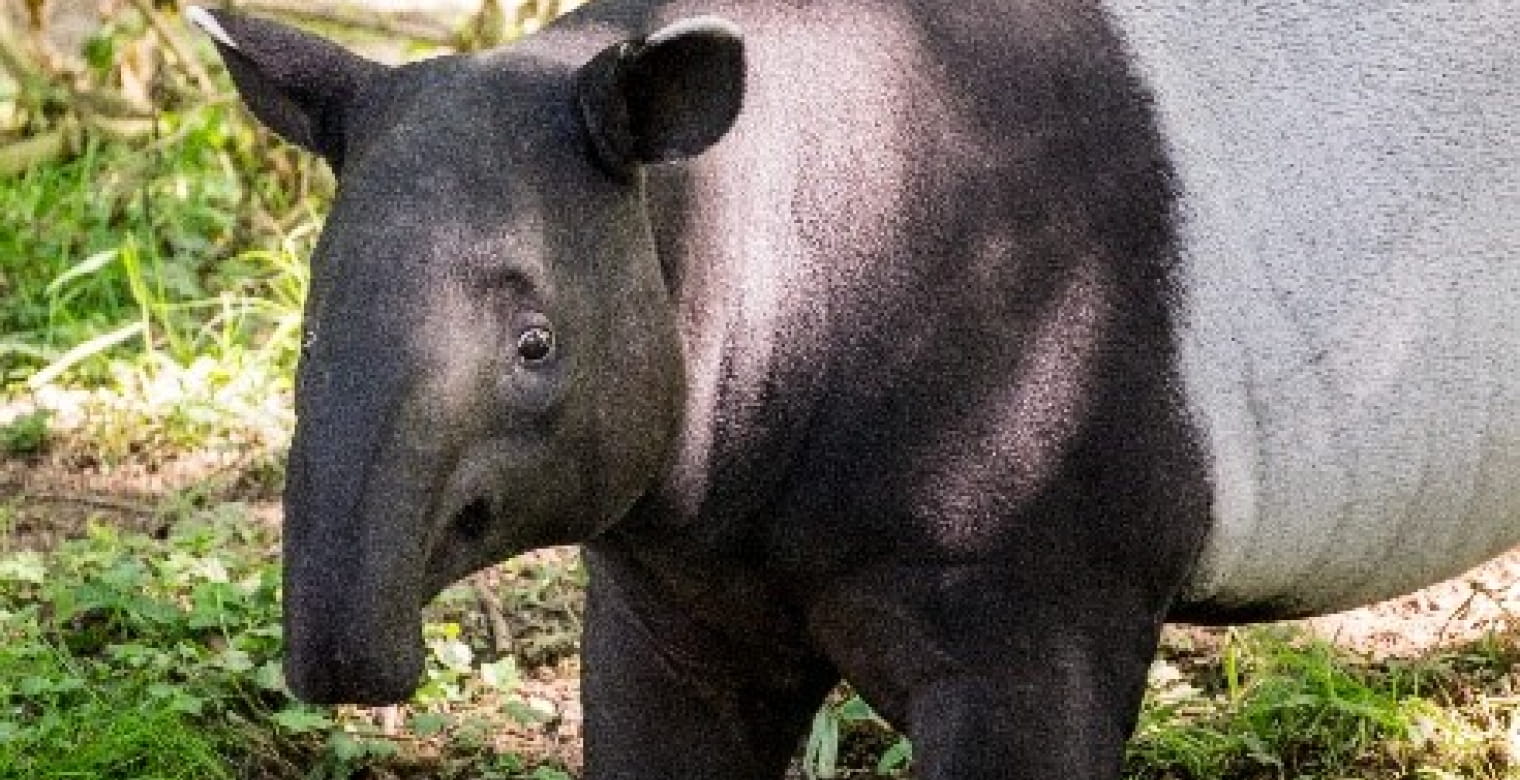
{"x": 1348, "y": 397}
{"x": 835, "y": 314}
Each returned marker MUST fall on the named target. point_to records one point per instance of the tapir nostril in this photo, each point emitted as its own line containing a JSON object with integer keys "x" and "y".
{"x": 472, "y": 521}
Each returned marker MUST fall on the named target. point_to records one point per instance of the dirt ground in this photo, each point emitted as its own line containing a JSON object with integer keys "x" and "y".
{"x": 1457, "y": 611}
{"x": 54, "y": 496}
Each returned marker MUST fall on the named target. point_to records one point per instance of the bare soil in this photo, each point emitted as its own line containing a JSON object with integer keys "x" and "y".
{"x": 1458, "y": 611}
{"x": 52, "y": 497}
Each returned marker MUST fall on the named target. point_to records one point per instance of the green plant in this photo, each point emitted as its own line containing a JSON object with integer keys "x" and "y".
{"x": 118, "y": 665}
{"x": 121, "y": 247}
{"x": 168, "y": 650}
{"x": 844, "y": 714}
{"x": 1275, "y": 705}
{"x": 26, "y": 434}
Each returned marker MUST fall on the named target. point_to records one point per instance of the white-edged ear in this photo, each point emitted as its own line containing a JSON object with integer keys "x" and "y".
{"x": 665, "y": 97}
{"x": 199, "y": 17}
{"x": 696, "y": 25}
{"x": 298, "y": 84}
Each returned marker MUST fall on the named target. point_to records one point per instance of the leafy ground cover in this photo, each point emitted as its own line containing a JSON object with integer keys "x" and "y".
{"x": 150, "y": 290}
{"x": 137, "y": 654}
{"x": 152, "y": 628}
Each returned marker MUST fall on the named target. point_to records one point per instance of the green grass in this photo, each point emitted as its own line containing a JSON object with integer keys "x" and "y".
{"x": 1278, "y": 705}
{"x": 167, "y": 276}
{"x": 125, "y": 656}
{"x": 145, "y": 249}
{"x": 163, "y": 265}
{"x": 70, "y": 724}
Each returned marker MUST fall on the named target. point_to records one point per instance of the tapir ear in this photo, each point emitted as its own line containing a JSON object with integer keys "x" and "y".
{"x": 297, "y": 84}
{"x": 665, "y": 97}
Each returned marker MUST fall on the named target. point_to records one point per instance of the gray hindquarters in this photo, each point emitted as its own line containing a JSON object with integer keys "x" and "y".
{"x": 1349, "y": 217}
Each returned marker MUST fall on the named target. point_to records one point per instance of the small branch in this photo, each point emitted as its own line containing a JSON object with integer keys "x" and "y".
{"x": 501, "y": 635}
{"x": 100, "y": 102}
{"x": 101, "y": 502}
{"x": 67, "y": 139}
{"x": 122, "y": 129}
{"x": 389, "y": 716}
{"x": 14, "y": 57}
{"x": 187, "y": 60}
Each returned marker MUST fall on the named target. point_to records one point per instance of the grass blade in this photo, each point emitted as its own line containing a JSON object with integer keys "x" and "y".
{"x": 82, "y": 352}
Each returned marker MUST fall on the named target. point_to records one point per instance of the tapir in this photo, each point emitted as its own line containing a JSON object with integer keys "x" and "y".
{"x": 947, "y": 348}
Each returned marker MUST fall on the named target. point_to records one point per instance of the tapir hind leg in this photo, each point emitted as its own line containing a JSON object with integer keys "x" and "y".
{"x": 993, "y": 677}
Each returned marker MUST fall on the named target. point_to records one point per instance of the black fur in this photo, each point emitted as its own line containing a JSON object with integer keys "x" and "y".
{"x": 297, "y": 84}
{"x": 882, "y": 386}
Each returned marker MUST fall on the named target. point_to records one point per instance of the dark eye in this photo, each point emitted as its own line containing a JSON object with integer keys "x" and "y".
{"x": 534, "y": 345}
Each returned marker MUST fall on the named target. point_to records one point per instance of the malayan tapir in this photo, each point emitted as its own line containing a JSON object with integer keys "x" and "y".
{"x": 946, "y": 347}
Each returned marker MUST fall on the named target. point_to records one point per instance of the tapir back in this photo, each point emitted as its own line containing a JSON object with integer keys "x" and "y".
{"x": 1349, "y": 222}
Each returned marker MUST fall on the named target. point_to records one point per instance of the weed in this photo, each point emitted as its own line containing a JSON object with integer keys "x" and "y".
{"x": 113, "y": 667}
{"x": 847, "y": 733}
{"x": 25, "y": 435}
{"x": 118, "y": 248}
{"x": 64, "y": 718}
{"x": 168, "y": 270}
{"x": 1276, "y": 705}
{"x": 125, "y": 656}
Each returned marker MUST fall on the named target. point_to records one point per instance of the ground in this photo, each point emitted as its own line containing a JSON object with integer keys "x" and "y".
{"x": 54, "y": 496}
{"x": 58, "y": 493}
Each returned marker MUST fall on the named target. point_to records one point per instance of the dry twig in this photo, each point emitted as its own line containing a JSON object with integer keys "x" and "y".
{"x": 187, "y": 59}
{"x": 501, "y": 634}
{"x": 101, "y": 502}
{"x": 368, "y": 21}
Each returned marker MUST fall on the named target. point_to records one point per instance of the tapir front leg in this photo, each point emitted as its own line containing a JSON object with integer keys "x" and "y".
{"x": 671, "y": 695}
{"x": 994, "y": 676}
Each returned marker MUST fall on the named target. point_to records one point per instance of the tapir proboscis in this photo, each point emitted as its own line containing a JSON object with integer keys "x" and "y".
{"x": 946, "y": 347}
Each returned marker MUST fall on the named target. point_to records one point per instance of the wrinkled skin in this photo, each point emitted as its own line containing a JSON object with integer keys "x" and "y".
{"x": 459, "y": 349}
{"x": 490, "y": 451}
{"x": 876, "y": 386}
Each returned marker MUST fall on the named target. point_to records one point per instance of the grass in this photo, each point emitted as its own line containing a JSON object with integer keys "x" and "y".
{"x": 1270, "y": 704}
{"x": 119, "y": 661}
{"x": 119, "y": 651}
{"x": 166, "y": 282}
{"x": 71, "y": 726}
{"x": 128, "y": 252}
{"x": 1274, "y": 704}
{"x": 162, "y": 272}
{"x": 125, "y": 656}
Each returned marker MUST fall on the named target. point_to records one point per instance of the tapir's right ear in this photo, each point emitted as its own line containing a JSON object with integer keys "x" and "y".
{"x": 665, "y": 97}
{"x": 297, "y": 84}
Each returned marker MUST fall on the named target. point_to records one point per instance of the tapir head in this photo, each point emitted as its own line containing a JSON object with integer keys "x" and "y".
{"x": 491, "y": 360}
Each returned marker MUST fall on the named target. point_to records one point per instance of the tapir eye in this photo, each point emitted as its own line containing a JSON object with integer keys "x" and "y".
{"x": 535, "y": 344}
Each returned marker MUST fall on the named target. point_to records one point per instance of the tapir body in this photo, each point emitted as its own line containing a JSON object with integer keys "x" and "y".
{"x": 946, "y": 347}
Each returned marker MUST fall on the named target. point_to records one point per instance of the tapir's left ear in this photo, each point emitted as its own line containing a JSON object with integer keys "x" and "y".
{"x": 665, "y": 97}
{"x": 297, "y": 84}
